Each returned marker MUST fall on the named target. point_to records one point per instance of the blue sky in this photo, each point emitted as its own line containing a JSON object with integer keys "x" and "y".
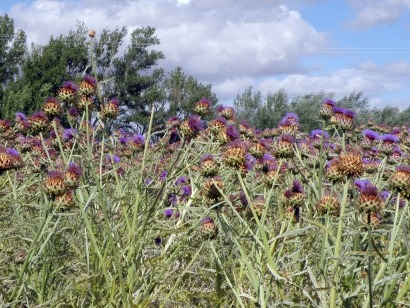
{"x": 302, "y": 46}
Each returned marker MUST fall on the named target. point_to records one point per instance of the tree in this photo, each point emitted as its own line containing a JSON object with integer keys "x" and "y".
{"x": 137, "y": 79}
{"x": 182, "y": 92}
{"x": 275, "y": 107}
{"x": 12, "y": 50}
{"x": 307, "y": 108}
{"x": 247, "y": 105}
{"x": 44, "y": 69}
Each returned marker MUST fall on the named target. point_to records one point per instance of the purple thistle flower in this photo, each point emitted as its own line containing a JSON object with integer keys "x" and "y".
{"x": 291, "y": 116}
{"x": 317, "y": 133}
{"x": 90, "y": 79}
{"x": 384, "y": 195}
{"x": 244, "y": 123}
{"x": 158, "y": 241}
{"x": 243, "y": 199}
{"x": 187, "y": 190}
{"x": 69, "y": 133}
{"x": 181, "y": 180}
{"x": 329, "y": 102}
{"x": 287, "y": 138}
{"x": 232, "y": 132}
{"x": 403, "y": 168}
{"x": 138, "y": 139}
{"x": 123, "y": 140}
{"x": 112, "y": 158}
{"x": 339, "y": 110}
{"x": 163, "y": 175}
{"x": 13, "y": 152}
{"x": 73, "y": 112}
{"x": 389, "y": 138}
{"x": 168, "y": 213}
{"x": 54, "y": 174}
{"x": 221, "y": 120}
{"x": 297, "y": 187}
{"x": 70, "y": 85}
{"x": 207, "y": 157}
{"x": 349, "y": 113}
{"x": 267, "y": 158}
{"x": 370, "y": 134}
{"x": 369, "y": 190}
{"x": 361, "y": 184}
{"x": 195, "y": 123}
{"x": 75, "y": 168}
{"x": 20, "y": 116}
{"x": 207, "y": 220}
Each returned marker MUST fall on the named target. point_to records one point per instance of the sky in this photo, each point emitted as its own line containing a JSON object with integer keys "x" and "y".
{"x": 301, "y": 46}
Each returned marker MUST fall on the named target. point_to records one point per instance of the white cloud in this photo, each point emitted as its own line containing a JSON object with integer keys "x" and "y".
{"x": 375, "y": 12}
{"x": 232, "y": 44}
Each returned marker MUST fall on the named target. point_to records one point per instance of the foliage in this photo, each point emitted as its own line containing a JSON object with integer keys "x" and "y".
{"x": 96, "y": 219}
{"x": 182, "y": 92}
{"x": 12, "y": 49}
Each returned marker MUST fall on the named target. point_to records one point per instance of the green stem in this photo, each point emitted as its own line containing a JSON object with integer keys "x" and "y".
{"x": 338, "y": 245}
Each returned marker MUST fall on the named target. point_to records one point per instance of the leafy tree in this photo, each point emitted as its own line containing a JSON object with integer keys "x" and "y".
{"x": 137, "y": 79}
{"x": 247, "y": 104}
{"x": 44, "y": 69}
{"x": 275, "y": 107}
{"x": 307, "y": 108}
{"x": 12, "y": 49}
{"x": 182, "y": 92}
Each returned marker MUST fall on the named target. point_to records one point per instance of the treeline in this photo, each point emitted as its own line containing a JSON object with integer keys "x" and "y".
{"x": 28, "y": 75}
{"x": 266, "y": 111}
{"x": 132, "y": 74}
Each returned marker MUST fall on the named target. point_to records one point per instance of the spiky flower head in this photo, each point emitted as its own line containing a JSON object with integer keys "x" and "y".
{"x": 38, "y": 121}
{"x": 217, "y": 125}
{"x": 84, "y": 102}
{"x": 209, "y": 167}
{"x": 234, "y": 154}
{"x": 68, "y": 91}
{"x": 137, "y": 142}
{"x": 244, "y": 126}
{"x": 65, "y": 200}
{"x": 211, "y": 187}
{"x": 173, "y": 122}
{"x": 73, "y": 114}
{"x": 87, "y": 85}
{"x": 369, "y": 199}
{"x": 294, "y": 196}
{"x": 343, "y": 118}
{"x": 73, "y": 175}
{"x": 400, "y": 180}
{"x": 333, "y": 173}
{"x": 257, "y": 149}
{"x": 226, "y": 112}
{"x": 111, "y": 109}
{"x": 284, "y": 146}
{"x": 190, "y": 127}
{"x": 326, "y": 111}
{"x": 16, "y": 160}
{"x": 350, "y": 164}
{"x": 371, "y": 135}
{"x": 329, "y": 203}
{"x": 389, "y": 141}
{"x": 258, "y": 204}
{"x": 208, "y": 227}
{"x": 203, "y": 107}
{"x": 289, "y": 124}
{"x": 52, "y": 107}
{"x": 54, "y": 183}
